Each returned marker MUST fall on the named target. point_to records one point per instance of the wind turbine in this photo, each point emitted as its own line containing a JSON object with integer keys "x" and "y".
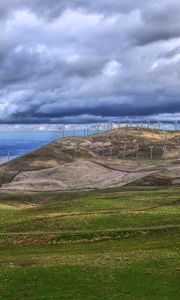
{"x": 124, "y": 151}
{"x": 165, "y": 152}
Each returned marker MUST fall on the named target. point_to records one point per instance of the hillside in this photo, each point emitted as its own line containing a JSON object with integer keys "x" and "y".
{"x": 96, "y": 161}
{"x": 76, "y": 175}
{"x": 102, "y": 146}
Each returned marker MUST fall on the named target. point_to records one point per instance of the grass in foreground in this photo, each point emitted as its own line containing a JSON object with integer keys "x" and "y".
{"x": 90, "y": 245}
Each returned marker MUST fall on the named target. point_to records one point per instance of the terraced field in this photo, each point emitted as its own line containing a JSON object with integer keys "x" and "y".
{"x": 120, "y": 243}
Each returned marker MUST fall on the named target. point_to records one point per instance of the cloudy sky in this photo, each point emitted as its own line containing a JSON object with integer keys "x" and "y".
{"x": 83, "y": 61}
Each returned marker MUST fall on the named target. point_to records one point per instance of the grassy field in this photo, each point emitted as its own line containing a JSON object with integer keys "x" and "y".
{"x": 111, "y": 244}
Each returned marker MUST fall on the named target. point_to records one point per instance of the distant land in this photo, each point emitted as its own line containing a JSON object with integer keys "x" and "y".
{"x": 106, "y": 159}
{"x": 19, "y": 139}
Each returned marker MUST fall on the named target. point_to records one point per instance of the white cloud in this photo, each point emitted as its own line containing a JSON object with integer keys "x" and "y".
{"x": 112, "y": 68}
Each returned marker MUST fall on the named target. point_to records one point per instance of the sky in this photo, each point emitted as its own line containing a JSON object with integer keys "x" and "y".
{"x": 85, "y": 61}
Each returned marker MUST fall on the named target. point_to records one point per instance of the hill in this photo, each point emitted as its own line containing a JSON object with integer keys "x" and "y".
{"x": 109, "y": 159}
{"x": 102, "y": 146}
{"x": 76, "y": 175}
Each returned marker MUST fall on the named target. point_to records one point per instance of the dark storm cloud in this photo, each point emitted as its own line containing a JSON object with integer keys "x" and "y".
{"x": 77, "y": 60}
{"x": 159, "y": 22}
{"x": 107, "y": 110}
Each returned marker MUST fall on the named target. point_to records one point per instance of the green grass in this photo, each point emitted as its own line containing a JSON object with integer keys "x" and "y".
{"x": 97, "y": 211}
{"x": 111, "y": 244}
{"x": 74, "y": 282}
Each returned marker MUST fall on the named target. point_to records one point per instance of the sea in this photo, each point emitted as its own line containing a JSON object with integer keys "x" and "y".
{"x": 16, "y": 140}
